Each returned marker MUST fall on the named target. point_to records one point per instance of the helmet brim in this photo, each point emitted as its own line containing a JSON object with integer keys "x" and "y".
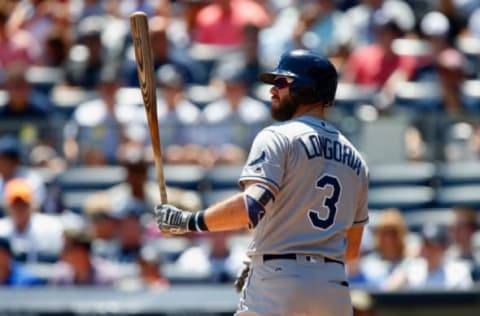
{"x": 269, "y": 77}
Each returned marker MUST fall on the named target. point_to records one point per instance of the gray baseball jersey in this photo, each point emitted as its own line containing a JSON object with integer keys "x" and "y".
{"x": 322, "y": 184}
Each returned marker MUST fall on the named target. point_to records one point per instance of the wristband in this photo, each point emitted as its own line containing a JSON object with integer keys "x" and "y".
{"x": 197, "y": 222}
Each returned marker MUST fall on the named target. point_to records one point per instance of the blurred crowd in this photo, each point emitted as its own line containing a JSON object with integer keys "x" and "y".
{"x": 69, "y": 98}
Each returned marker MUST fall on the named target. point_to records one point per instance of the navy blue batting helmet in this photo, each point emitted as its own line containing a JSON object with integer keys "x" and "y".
{"x": 314, "y": 76}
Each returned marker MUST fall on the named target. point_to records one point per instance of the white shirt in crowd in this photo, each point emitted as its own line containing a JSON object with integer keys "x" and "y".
{"x": 42, "y": 236}
{"x": 451, "y": 275}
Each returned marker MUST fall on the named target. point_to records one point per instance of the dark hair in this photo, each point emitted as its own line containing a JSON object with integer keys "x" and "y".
{"x": 5, "y": 245}
{"x": 78, "y": 238}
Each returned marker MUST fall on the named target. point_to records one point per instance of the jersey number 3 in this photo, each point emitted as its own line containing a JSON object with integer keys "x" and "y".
{"x": 329, "y": 202}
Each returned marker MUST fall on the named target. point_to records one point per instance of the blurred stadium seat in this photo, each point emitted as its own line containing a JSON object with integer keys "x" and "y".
{"x": 406, "y": 197}
{"x": 3, "y": 98}
{"x": 201, "y": 95}
{"x": 223, "y": 177}
{"x": 190, "y": 177}
{"x": 411, "y": 47}
{"x": 67, "y": 99}
{"x": 407, "y": 173}
{"x": 470, "y": 47}
{"x": 43, "y": 79}
{"x": 417, "y": 218}
{"x": 214, "y": 196}
{"x": 75, "y": 200}
{"x": 127, "y": 96}
{"x": 240, "y": 241}
{"x": 45, "y": 173}
{"x": 90, "y": 178}
{"x": 471, "y": 95}
{"x": 418, "y": 96}
{"x": 465, "y": 195}
{"x": 459, "y": 173}
{"x": 170, "y": 248}
{"x": 349, "y": 96}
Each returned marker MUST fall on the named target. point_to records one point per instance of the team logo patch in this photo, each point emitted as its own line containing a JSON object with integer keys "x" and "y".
{"x": 261, "y": 158}
{"x": 259, "y": 164}
{"x": 256, "y": 164}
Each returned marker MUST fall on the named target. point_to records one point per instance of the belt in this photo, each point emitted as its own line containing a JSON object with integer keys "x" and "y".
{"x": 292, "y": 256}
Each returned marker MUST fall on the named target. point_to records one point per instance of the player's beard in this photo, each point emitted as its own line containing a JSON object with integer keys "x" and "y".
{"x": 285, "y": 110}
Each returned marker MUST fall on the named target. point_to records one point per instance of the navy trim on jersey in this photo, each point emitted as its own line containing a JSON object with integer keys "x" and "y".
{"x": 362, "y": 221}
{"x": 314, "y": 121}
{"x": 241, "y": 179}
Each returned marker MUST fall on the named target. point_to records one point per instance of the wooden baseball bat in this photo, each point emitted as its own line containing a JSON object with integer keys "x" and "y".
{"x": 146, "y": 77}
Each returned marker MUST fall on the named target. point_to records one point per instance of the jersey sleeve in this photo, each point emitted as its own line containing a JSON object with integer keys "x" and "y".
{"x": 361, "y": 215}
{"x": 266, "y": 160}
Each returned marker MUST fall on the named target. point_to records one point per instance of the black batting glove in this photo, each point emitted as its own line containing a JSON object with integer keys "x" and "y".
{"x": 171, "y": 219}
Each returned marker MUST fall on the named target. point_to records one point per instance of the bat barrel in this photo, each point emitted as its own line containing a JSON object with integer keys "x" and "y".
{"x": 145, "y": 69}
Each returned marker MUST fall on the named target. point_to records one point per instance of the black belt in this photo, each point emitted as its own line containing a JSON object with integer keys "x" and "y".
{"x": 293, "y": 256}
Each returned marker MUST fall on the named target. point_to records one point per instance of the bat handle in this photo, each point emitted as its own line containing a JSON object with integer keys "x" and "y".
{"x": 163, "y": 189}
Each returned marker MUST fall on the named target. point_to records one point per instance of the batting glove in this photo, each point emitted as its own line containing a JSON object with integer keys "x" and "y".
{"x": 171, "y": 219}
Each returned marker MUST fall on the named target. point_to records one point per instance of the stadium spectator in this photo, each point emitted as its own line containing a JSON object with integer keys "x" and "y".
{"x": 25, "y": 104}
{"x": 164, "y": 53}
{"x": 139, "y": 188}
{"x": 27, "y": 111}
{"x": 10, "y": 168}
{"x": 462, "y": 142}
{"x": 435, "y": 28}
{"x": 45, "y": 156}
{"x": 474, "y": 24}
{"x": 38, "y": 18}
{"x": 377, "y": 65}
{"x": 222, "y": 22}
{"x": 33, "y": 236}
{"x": 211, "y": 259}
{"x": 77, "y": 267}
{"x": 179, "y": 119}
{"x": 251, "y": 54}
{"x": 433, "y": 270}
{"x": 232, "y": 121}
{"x": 97, "y": 127}
{"x": 456, "y": 11}
{"x": 362, "y": 18}
{"x": 87, "y": 58}
{"x": 103, "y": 225}
{"x": 57, "y": 46}
{"x": 451, "y": 65}
{"x": 16, "y": 46}
{"x": 462, "y": 228}
{"x": 149, "y": 274}
{"x": 363, "y": 304}
{"x": 130, "y": 230}
{"x": 323, "y": 28}
{"x": 390, "y": 241}
{"x": 87, "y": 8}
{"x": 14, "y": 274}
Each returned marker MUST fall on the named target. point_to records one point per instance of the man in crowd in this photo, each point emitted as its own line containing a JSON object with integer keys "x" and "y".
{"x": 33, "y": 236}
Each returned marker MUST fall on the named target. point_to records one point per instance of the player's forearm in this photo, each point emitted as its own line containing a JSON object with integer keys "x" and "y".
{"x": 354, "y": 238}
{"x": 227, "y": 215}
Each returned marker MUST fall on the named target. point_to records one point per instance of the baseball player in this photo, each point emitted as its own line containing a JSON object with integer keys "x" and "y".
{"x": 304, "y": 194}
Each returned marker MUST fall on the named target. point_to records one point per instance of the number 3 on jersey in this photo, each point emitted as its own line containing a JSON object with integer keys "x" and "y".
{"x": 329, "y": 202}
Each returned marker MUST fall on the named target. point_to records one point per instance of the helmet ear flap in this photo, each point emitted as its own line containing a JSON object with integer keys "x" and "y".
{"x": 303, "y": 95}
